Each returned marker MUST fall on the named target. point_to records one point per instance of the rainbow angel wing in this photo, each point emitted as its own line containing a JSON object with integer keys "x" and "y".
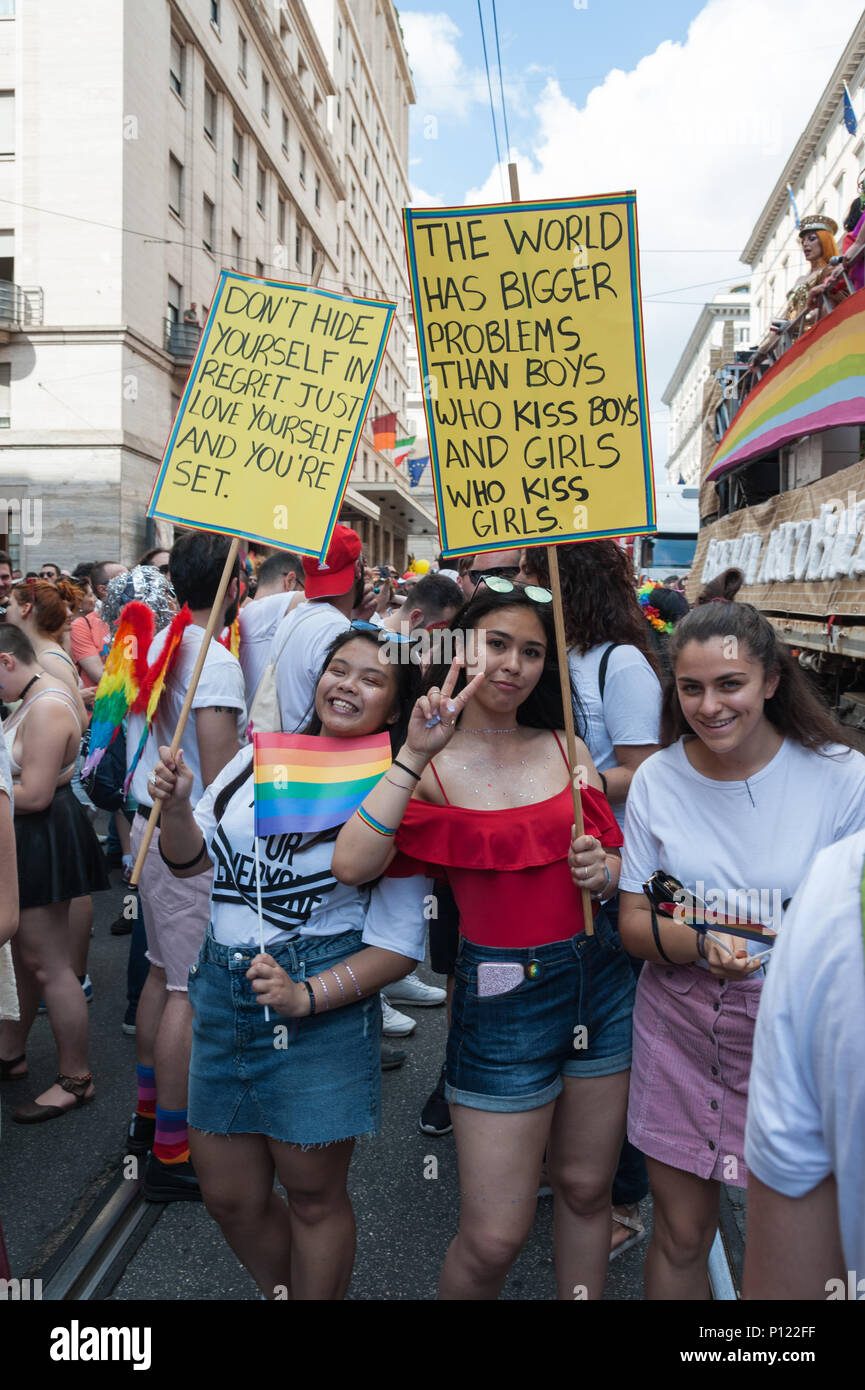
{"x": 122, "y": 676}
{"x": 153, "y": 684}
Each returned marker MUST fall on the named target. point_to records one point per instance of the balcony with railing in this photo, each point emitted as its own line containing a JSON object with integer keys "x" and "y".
{"x": 182, "y": 339}
{"x": 739, "y": 377}
{"x": 21, "y": 307}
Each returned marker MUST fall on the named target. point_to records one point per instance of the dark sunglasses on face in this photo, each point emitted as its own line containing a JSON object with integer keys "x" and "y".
{"x": 503, "y": 571}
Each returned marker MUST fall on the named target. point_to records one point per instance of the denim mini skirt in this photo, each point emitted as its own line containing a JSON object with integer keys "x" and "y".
{"x": 307, "y": 1081}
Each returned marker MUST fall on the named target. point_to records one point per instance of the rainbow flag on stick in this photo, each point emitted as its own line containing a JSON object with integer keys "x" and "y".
{"x": 310, "y": 784}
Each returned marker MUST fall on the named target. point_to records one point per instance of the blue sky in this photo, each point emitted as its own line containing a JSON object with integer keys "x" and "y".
{"x": 696, "y": 106}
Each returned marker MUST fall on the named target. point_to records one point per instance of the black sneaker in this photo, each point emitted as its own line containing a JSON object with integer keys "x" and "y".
{"x": 122, "y": 926}
{"x": 170, "y": 1182}
{"x": 391, "y": 1058}
{"x": 435, "y": 1118}
{"x": 140, "y": 1135}
{"x": 128, "y": 1024}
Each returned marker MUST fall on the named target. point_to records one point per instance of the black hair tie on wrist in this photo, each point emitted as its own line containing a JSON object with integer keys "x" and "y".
{"x": 657, "y": 935}
{"x": 190, "y": 863}
{"x": 396, "y": 763}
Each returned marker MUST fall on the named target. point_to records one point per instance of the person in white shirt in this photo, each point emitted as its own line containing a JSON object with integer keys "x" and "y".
{"x": 336, "y": 591}
{"x": 288, "y": 1096}
{"x": 755, "y": 778}
{"x": 278, "y": 592}
{"x": 805, "y": 1133}
{"x": 176, "y": 913}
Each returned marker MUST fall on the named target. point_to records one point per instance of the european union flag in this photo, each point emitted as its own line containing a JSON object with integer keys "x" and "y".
{"x": 850, "y": 120}
{"x": 415, "y": 470}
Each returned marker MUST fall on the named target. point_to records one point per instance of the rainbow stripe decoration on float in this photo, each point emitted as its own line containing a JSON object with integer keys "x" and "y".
{"x": 818, "y": 384}
{"x": 304, "y": 783}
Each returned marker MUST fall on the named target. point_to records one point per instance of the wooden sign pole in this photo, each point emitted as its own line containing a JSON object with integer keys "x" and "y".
{"x": 564, "y": 669}
{"x": 190, "y": 696}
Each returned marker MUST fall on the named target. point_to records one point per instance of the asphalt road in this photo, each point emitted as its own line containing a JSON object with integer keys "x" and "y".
{"x": 50, "y": 1174}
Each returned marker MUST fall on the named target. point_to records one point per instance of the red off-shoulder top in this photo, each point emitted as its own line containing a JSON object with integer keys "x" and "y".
{"x": 508, "y": 869}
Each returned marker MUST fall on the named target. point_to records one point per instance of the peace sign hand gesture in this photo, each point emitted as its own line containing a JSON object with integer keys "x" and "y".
{"x": 435, "y": 714}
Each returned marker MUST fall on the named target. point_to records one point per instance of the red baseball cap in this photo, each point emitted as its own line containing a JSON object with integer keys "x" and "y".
{"x": 336, "y": 576}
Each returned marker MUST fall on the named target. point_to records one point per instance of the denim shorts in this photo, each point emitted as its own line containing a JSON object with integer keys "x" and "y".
{"x": 307, "y": 1081}
{"x": 510, "y": 1052}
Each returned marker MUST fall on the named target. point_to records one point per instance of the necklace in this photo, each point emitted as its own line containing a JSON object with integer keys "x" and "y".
{"x": 32, "y": 681}
{"x": 489, "y": 731}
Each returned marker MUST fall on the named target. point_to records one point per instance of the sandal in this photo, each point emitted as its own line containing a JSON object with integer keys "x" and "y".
{"x": 33, "y": 1114}
{"x": 632, "y": 1223}
{"x": 6, "y": 1068}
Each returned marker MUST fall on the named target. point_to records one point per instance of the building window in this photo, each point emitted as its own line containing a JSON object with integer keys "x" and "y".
{"x": 7, "y": 123}
{"x": 237, "y": 155}
{"x": 241, "y": 53}
{"x": 366, "y": 165}
{"x": 175, "y": 186}
{"x": 265, "y": 98}
{"x": 317, "y": 194}
{"x": 303, "y": 165}
{"x": 236, "y": 250}
{"x": 285, "y": 134}
{"x": 377, "y": 192}
{"x": 175, "y": 299}
{"x": 280, "y": 219}
{"x": 298, "y": 246}
{"x": 317, "y": 106}
{"x": 259, "y": 269}
{"x": 377, "y": 136}
{"x": 7, "y": 9}
{"x": 5, "y": 386}
{"x": 339, "y": 38}
{"x": 284, "y": 31}
{"x": 214, "y": 12}
{"x": 175, "y": 67}
{"x": 352, "y": 260}
{"x": 354, "y": 132}
{"x": 260, "y": 188}
{"x": 354, "y": 68}
{"x": 209, "y": 221}
{"x": 301, "y": 68}
{"x": 210, "y": 113}
{"x": 353, "y": 198}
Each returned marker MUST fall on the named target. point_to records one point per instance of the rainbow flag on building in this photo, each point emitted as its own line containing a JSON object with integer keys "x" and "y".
{"x": 384, "y": 431}
{"x": 304, "y": 783}
{"x": 817, "y": 384}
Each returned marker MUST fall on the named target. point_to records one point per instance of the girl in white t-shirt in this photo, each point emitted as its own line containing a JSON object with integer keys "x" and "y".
{"x": 289, "y": 1097}
{"x": 752, "y": 780}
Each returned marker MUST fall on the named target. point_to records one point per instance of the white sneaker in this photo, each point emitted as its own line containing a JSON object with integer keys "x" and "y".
{"x": 411, "y": 990}
{"x": 393, "y": 1024}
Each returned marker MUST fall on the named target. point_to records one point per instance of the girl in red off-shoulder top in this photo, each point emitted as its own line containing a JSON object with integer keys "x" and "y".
{"x": 540, "y": 1041}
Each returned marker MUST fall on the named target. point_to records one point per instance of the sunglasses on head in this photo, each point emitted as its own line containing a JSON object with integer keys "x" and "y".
{"x": 500, "y": 585}
{"x": 383, "y": 634}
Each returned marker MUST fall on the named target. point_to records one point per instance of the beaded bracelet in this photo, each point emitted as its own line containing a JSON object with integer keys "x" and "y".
{"x": 338, "y": 981}
{"x": 324, "y": 987}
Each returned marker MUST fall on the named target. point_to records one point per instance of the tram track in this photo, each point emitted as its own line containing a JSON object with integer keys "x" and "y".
{"x": 92, "y": 1260}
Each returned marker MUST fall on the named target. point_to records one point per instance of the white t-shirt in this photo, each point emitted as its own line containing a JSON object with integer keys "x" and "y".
{"x": 740, "y": 846}
{"x": 631, "y": 710}
{"x": 308, "y": 632}
{"x": 806, "y": 1099}
{"x": 299, "y": 894}
{"x": 5, "y": 770}
{"x": 258, "y": 622}
{"x": 220, "y": 683}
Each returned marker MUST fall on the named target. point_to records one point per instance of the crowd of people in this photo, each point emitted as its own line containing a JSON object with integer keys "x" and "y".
{"x": 600, "y": 1060}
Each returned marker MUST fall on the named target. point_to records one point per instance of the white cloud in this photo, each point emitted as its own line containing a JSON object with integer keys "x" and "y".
{"x": 419, "y": 199}
{"x": 701, "y": 130}
{"x": 445, "y": 86}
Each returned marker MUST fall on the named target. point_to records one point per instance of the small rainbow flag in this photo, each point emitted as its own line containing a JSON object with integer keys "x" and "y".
{"x": 310, "y": 784}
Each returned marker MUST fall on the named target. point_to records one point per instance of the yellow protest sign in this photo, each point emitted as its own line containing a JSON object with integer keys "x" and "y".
{"x": 530, "y": 337}
{"x": 267, "y": 428}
